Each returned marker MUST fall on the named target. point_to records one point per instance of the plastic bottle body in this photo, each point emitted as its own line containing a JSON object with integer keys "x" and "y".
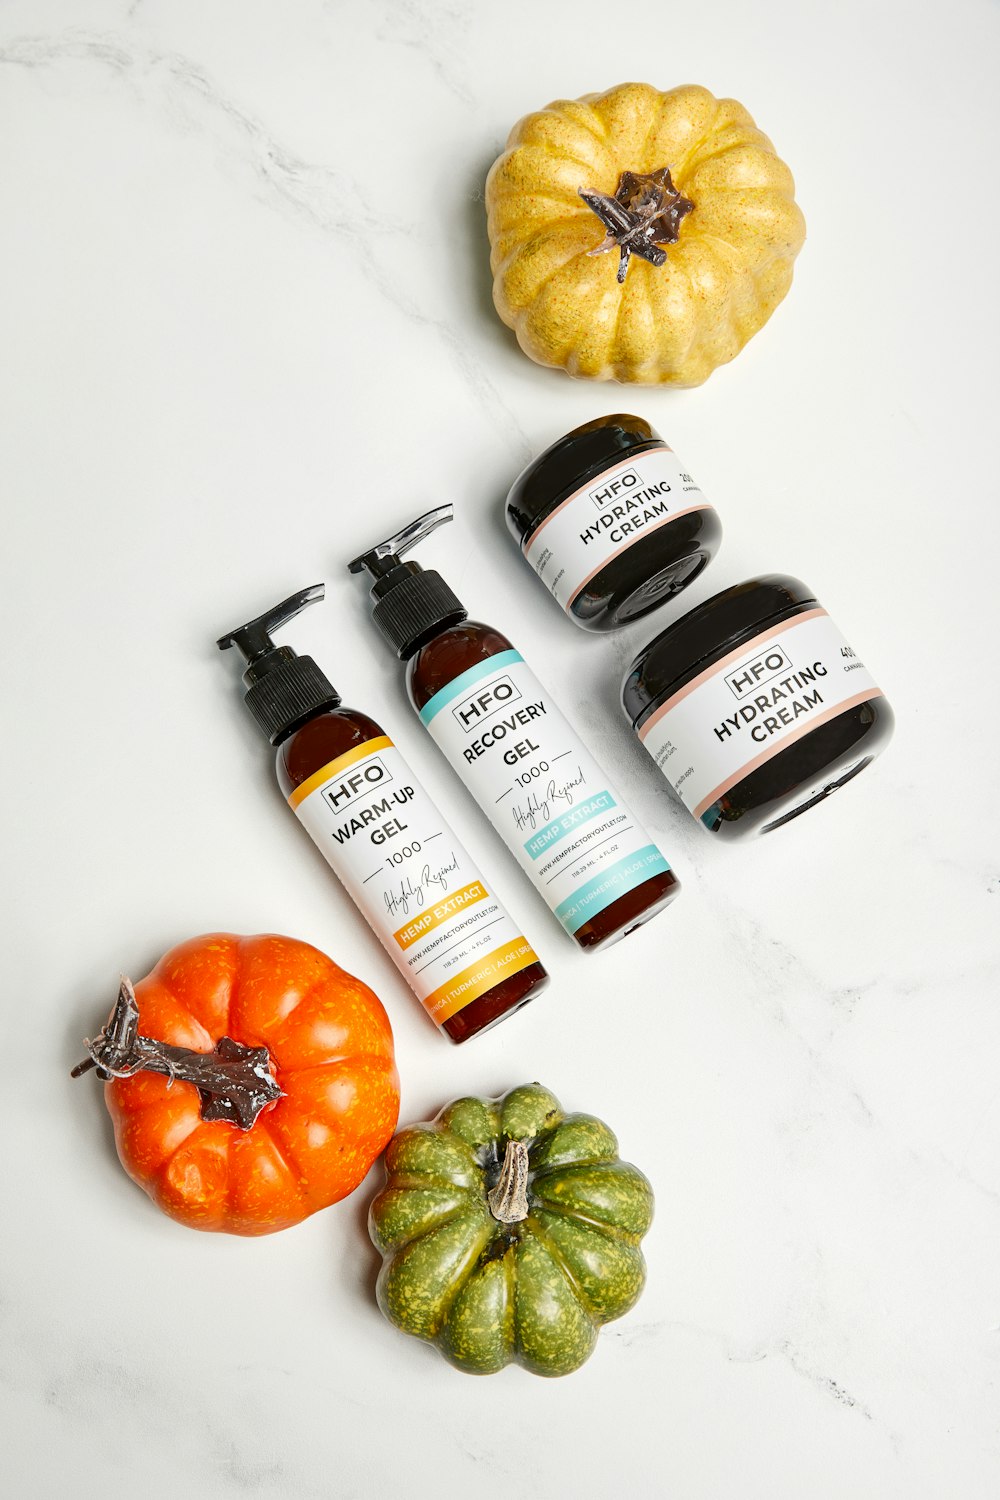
{"x": 535, "y": 804}
{"x": 330, "y": 739}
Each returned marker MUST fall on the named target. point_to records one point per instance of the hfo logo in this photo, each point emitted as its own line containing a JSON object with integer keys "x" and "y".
{"x": 371, "y": 774}
{"x": 770, "y": 663}
{"x": 621, "y": 484}
{"x": 471, "y": 711}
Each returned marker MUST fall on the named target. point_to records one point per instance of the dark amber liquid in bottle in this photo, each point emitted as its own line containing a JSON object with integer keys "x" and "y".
{"x": 326, "y": 737}
{"x": 446, "y": 657}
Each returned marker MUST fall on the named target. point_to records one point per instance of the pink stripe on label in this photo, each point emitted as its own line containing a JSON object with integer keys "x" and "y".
{"x": 626, "y": 463}
{"x": 643, "y": 531}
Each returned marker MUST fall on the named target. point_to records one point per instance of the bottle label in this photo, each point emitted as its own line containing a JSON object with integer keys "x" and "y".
{"x": 761, "y": 698}
{"x": 540, "y": 787}
{"x": 449, "y": 937}
{"x": 608, "y": 515}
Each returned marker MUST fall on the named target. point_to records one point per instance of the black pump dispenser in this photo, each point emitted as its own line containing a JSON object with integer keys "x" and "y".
{"x": 282, "y": 688}
{"x": 410, "y": 605}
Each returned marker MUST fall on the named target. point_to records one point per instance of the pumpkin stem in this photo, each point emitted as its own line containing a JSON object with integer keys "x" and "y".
{"x": 235, "y": 1082}
{"x": 645, "y": 213}
{"x": 508, "y": 1201}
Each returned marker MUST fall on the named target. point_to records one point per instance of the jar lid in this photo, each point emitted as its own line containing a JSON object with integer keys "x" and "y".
{"x": 703, "y": 635}
{"x": 569, "y": 462}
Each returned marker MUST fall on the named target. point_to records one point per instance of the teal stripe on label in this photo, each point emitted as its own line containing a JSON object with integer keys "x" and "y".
{"x": 467, "y": 680}
{"x": 584, "y": 812}
{"x": 617, "y": 880}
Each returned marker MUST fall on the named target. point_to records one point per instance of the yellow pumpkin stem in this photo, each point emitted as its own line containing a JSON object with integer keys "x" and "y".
{"x": 645, "y": 213}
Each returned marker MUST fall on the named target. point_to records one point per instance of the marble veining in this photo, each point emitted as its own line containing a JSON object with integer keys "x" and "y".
{"x": 247, "y": 326}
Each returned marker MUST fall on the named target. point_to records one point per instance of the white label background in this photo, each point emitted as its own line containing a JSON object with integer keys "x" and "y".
{"x": 568, "y": 827}
{"x": 681, "y": 735}
{"x": 566, "y": 563}
{"x": 390, "y": 896}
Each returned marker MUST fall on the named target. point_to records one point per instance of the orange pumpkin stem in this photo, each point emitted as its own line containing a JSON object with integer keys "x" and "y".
{"x": 235, "y": 1082}
{"x": 645, "y": 213}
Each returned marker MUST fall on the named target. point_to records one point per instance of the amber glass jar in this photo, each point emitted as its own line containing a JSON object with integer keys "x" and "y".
{"x": 611, "y": 522}
{"x": 754, "y": 706}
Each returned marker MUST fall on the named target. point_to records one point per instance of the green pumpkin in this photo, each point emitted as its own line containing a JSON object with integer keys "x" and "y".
{"x": 509, "y": 1231}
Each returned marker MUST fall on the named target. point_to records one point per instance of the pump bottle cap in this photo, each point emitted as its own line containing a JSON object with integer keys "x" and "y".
{"x": 410, "y": 606}
{"x": 283, "y": 689}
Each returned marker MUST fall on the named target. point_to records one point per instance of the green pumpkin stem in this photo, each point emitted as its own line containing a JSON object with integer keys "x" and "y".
{"x": 235, "y": 1082}
{"x": 508, "y": 1201}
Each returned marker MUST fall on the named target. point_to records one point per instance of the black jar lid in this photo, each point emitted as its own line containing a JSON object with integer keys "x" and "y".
{"x": 569, "y": 462}
{"x": 703, "y": 635}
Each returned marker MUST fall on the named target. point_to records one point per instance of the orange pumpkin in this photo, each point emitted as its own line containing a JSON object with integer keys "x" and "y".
{"x": 295, "y": 1089}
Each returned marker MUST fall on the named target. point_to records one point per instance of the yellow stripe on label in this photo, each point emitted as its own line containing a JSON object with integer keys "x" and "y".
{"x": 334, "y": 767}
{"x": 442, "y": 912}
{"x": 479, "y": 978}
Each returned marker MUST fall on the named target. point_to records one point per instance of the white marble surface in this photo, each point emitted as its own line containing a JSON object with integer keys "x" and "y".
{"x": 245, "y": 327}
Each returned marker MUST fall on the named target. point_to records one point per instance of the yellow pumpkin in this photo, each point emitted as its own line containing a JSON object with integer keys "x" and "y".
{"x": 701, "y": 254}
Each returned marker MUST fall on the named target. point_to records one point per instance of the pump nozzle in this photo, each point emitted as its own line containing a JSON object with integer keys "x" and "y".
{"x": 410, "y": 605}
{"x": 254, "y": 638}
{"x": 384, "y": 556}
{"x": 283, "y": 689}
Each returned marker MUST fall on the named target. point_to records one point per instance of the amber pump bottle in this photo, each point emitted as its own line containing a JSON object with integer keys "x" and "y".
{"x": 461, "y": 954}
{"x": 597, "y": 869}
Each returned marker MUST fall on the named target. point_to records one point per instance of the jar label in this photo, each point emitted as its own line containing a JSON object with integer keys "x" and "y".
{"x": 761, "y": 698}
{"x": 541, "y": 789}
{"x": 608, "y": 515}
{"x": 421, "y": 894}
